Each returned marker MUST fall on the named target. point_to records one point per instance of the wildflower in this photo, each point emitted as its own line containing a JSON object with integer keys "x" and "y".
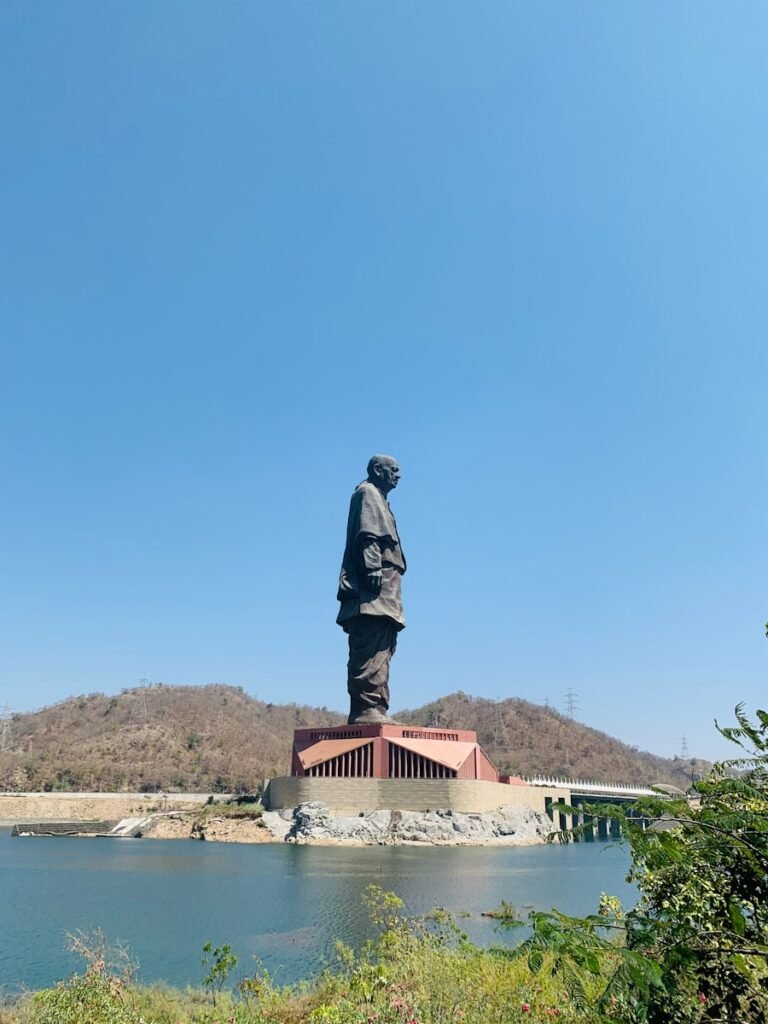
{"x": 702, "y": 998}
{"x": 525, "y": 1007}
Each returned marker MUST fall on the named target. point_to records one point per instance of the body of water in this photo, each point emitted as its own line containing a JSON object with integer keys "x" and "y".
{"x": 282, "y": 903}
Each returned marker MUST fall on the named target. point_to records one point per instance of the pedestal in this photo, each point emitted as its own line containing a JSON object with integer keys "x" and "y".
{"x": 390, "y": 752}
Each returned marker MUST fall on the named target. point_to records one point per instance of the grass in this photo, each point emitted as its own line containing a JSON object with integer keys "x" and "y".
{"x": 242, "y": 808}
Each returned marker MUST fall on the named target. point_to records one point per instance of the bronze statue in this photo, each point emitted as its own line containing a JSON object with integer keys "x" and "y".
{"x": 371, "y": 611}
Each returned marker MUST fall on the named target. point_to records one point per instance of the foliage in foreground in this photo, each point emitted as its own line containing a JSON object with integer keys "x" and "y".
{"x": 694, "y": 950}
{"x": 703, "y": 875}
{"x": 702, "y": 871}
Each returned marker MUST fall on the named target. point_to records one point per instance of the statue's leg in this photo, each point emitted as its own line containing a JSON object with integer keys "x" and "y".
{"x": 372, "y": 642}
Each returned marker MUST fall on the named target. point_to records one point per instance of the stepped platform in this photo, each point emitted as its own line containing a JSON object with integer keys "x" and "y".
{"x": 63, "y": 828}
{"x": 126, "y": 828}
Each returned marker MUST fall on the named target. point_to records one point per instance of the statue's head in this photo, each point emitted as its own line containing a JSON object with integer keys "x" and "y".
{"x": 384, "y": 472}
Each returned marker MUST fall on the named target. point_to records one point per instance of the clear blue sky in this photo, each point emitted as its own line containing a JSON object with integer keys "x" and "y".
{"x": 521, "y": 246}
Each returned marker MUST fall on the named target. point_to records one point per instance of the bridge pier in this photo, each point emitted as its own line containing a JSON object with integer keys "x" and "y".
{"x": 560, "y": 820}
{"x": 565, "y": 820}
{"x": 589, "y": 828}
{"x": 578, "y": 821}
{"x": 639, "y": 819}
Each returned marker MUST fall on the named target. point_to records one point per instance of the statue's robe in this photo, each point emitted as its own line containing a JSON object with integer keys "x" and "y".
{"x": 372, "y": 543}
{"x": 372, "y": 621}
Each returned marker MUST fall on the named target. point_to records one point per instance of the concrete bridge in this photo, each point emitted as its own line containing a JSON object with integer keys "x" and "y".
{"x": 578, "y": 792}
{"x": 592, "y": 790}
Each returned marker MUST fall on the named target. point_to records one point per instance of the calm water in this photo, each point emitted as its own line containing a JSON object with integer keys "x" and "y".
{"x": 285, "y": 904}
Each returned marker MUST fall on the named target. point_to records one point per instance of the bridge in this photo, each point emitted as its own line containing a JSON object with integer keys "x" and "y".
{"x": 594, "y": 790}
{"x": 578, "y": 792}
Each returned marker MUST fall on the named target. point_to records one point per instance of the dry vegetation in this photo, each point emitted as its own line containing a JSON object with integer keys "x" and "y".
{"x": 184, "y": 738}
{"x": 528, "y": 739}
{"x": 218, "y": 739}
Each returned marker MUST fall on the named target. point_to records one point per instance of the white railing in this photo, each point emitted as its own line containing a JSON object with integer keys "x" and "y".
{"x": 582, "y": 786}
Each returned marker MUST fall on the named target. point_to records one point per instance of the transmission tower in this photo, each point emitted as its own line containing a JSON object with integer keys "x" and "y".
{"x": 684, "y": 754}
{"x": 500, "y": 729}
{"x": 571, "y": 703}
{"x": 6, "y": 734}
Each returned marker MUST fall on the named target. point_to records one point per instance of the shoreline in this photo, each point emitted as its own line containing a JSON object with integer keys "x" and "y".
{"x": 193, "y": 816}
{"x": 311, "y": 824}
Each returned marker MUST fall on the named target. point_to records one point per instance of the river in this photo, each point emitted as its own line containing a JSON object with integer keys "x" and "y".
{"x": 283, "y": 903}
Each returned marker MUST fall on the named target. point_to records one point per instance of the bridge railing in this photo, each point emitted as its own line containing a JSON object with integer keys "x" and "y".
{"x": 584, "y": 786}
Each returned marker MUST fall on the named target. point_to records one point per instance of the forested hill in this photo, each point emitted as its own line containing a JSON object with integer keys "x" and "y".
{"x": 529, "y": 739}
{"x": 217, "y": 738}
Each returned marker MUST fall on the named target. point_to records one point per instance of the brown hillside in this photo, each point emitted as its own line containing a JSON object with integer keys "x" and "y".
{"x": 218, "y": 739}
{"x": 528, "y": 739}
{"x": 184, "y": 738}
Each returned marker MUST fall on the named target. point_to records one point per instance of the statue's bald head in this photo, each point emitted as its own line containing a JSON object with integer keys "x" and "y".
{"x": 384, "y": 472}
{"x": 378, "y": 460}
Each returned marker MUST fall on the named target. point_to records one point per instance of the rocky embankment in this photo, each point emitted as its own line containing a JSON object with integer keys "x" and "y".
{"x": 219, "y": 829}
{"x": 314, "y": 823}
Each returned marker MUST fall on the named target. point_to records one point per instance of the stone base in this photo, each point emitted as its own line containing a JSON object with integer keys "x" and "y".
{"x": 353, "y": 796}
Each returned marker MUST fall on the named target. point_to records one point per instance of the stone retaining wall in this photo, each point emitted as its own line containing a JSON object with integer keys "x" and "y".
{"x": 40, "y": 807}
{"x": 351, "y": 796}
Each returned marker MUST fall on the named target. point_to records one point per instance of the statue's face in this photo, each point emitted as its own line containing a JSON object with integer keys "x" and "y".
{"x": 388, "y": 475}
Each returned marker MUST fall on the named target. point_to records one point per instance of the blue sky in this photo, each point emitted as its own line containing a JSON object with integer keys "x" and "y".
{"x": 522, "y": 247}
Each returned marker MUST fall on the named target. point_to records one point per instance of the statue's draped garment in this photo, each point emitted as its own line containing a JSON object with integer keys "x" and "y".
{"x": 371, "y": 620}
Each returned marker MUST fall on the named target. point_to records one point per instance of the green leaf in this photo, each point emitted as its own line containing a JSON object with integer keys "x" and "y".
{"x": 535, "y": 960}
{"x": 737, "y": 917}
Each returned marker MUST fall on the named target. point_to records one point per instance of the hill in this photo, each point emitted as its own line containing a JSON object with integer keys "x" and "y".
{"x": 219, "y": 739}
{"x": 529, "y": 739}
{"x": 186, "y": 738}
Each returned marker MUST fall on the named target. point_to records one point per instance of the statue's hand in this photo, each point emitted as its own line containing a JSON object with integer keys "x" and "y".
{"x": 373, "y": 581}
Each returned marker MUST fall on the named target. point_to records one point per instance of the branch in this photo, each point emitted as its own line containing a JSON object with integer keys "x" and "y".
{"x": 725, "y": 832}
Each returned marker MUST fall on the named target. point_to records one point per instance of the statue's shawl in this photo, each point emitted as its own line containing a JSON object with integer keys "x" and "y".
{"x": 371, "y": 517}
{"x": 370, "y": 514}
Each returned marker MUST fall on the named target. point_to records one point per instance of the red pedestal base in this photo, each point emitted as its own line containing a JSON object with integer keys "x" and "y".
{"x": 390, "y": 752}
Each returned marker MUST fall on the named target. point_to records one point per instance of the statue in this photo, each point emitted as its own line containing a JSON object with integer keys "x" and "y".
{"x": 371, "y": 611}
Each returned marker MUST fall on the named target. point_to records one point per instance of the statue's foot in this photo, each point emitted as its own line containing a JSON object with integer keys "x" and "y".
{"x": 371, "y": 716}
